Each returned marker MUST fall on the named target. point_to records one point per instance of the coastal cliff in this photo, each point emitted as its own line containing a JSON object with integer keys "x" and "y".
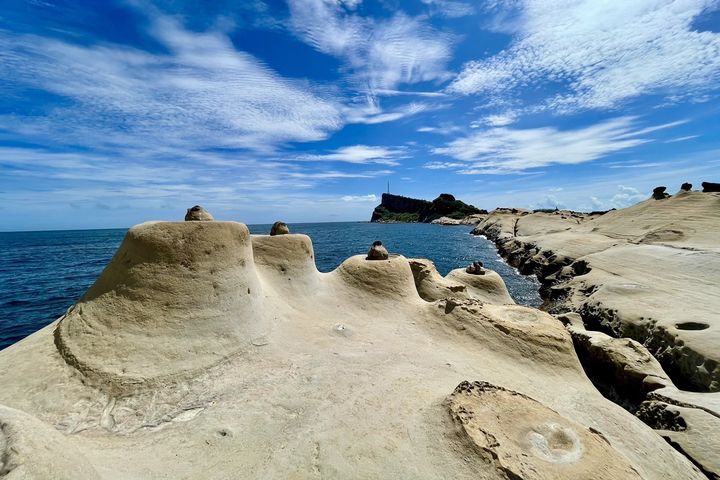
{"x": 396, "y": 208}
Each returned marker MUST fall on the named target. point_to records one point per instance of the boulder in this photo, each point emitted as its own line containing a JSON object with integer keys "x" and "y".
{"x": 279, "y": 228}
{"x": 686, "y": 187}
{"x": 659, "y": 193}
{"x": 710, "y": 187}
{"x": 475, "y": 268}
{"x": 377, "y": 251}
{"x": 198, "y": 214}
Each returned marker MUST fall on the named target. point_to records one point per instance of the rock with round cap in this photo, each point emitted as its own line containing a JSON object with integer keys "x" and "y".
{"x": 377, "y": 251}
{"x": 198, "y": 214}
{"x": 279, "y": 228}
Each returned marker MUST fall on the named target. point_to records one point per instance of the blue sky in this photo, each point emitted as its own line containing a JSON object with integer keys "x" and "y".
{"x": 116, "y": 112}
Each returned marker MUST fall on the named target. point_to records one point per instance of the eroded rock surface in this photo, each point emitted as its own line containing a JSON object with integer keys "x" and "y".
{"x": 198, "y": 214}
{"x": 204, "y": 352}
{"x": 648, "y": 272}
{"x": 526, "y": 440}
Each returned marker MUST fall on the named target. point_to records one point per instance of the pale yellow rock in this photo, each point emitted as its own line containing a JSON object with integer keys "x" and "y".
{"x": 524, "y": 439}
{"x": 203, "y": 352}
{"x": 649, "y": 271}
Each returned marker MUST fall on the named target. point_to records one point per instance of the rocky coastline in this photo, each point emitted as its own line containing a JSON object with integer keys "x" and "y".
{"x": 202, "y": 351}
{"x": 636, "y": 287}
{"x": 445, "y": 209}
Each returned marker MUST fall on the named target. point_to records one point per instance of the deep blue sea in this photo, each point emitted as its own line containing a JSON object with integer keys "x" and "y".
{"x": 43, "y": 273}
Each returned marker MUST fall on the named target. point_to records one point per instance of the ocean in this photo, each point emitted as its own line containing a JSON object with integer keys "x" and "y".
{"x": 44, "y": 273}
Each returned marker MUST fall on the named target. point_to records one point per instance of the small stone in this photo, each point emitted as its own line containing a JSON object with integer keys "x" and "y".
{"x": 475, "y": 268}
{"x": 659, "y": 193}
{"x": 198, "y": 214}
{"x": 279, "y": 228}
{"x": 686, "y": 187}
{"x": 377, "y": 251}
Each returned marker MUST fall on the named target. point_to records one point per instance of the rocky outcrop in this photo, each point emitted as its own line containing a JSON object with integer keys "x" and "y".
{"x": 686, "y": 187}
{"x": 395, "y": 208}
{"x": 377, "y": 251}
{"x": 605, "y": 267}
{"x": 202, "y": 351}
{"x": 279, "y": 228}
{"x": 659, "y": 193}
{"x": 432, "y": 286}
{"x": 524, "y": 439}
{"x": 446, "y": 221}
{"x": 198, "y": 214}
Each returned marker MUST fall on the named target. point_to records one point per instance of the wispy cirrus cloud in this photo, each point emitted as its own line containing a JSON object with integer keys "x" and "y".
{"x": 380, "y": 53}
{"x": 505, "y": 150}
{"x": 601, "y": 52}
{"x": 202, "y": 93}
{"x": 359, "y": 154}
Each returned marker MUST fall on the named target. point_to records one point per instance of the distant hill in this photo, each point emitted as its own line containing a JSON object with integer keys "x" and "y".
{"x": 396, "y": 208}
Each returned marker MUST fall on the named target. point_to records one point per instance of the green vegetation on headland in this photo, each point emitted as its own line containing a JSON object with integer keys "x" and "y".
{"x": 396, "y": 208}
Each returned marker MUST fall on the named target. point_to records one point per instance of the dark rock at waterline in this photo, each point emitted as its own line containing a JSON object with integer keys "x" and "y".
{"x": 710, "y": 187}
{"x": 279, "y": 228}
{"x": 198, "y": 214}
{"x": 377, "y": 251}
{"x": 659, "y": 193}
{"x": 686, "y": 187}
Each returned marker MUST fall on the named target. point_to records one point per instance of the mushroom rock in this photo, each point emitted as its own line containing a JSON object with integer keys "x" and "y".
{"x": 659, "y": 193}
{"x": 686, "y": 187}
{"x": 172, "y": 288}
{"x": 279, "y": 228}
{"x": 522, "y": 438}
{"x": 377, "y": 251}
{"x": 475, "y": 268}
{"x": 432, "y": 286}
{"x": 488, "y": 286}
{"x": 710, "y": 187}
{"x": 198, "y": 214}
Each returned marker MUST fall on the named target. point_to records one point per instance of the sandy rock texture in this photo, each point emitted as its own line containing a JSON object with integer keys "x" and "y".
{"x": 638, "y": 290}
{"x": 649, "y": 272}
{"x": 204, "y": 352}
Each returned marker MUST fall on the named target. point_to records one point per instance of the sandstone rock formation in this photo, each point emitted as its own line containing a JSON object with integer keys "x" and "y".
{"x": 524, "y": 439}
{"x": 446, "y": 221}
{"x": 458, "y": 284}
{"x": 198, "y": 214}
{"x": 279, "y": 228}
{"x": 606, "y": 268}
{"x": 377, "y": 251}
{"x": 204, "y": 352}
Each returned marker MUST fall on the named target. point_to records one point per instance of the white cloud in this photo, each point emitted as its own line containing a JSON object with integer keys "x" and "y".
{"x": 359, "y": 154}
{"x": 625, "y": 197}
{"x": 381, "y": 53}
{"x": 442, "y": 129}
{"x": 497, "y": 120}
{"x": 443, "y": 165}
{"x": 371, "y": 198}
{"x": 603, "y": 51}
{"x": 503, "y": 150}
{"x": 449, "y": 8}
{"x": 202, "y": 93}
{"x": 681, "y": 139}
{"x": 370, "y": 113}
